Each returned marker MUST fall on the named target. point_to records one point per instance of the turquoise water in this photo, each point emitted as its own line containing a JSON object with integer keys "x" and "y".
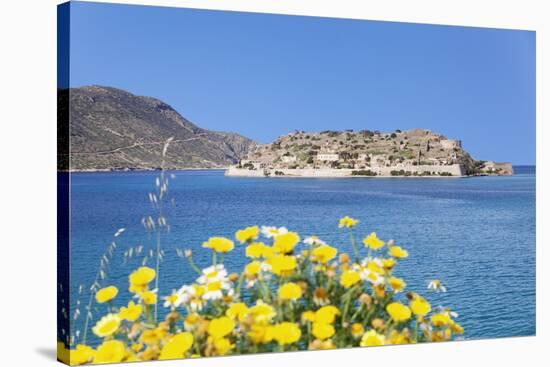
{"x": 475, "y": 234}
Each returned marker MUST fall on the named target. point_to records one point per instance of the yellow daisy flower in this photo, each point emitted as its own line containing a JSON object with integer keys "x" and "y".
{"x": 285, "y": 243}
{"x": 290, "y": 292}
{"x": 112, "y": 351}
{"x": 398, "y": 311}
{"x": 177, "y": 346}
{"x": 398, "y": 252}
{"x": 247, "y": 234}
{"x": 322, "y": 331}
{"x": 130, "y": 313}
{"x": 220, "y": 327}
{"x": 347, "y": 222}
{"x": 219, "y": 244}
{"x": 286, "y": 333}
{"x": 373, "y": 242}
{"x": 323, "y": 253}
{"x": 106, "y": 294}
{"x": 107, "y": 325}
{"x": 349, "y": 278}
{"x": 371, "y": 338}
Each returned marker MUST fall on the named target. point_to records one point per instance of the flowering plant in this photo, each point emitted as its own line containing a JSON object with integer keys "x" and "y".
{"x": 293, "y": 294}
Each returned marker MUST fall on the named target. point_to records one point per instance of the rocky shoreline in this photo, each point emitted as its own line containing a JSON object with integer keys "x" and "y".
{"x": 452, "y": 171}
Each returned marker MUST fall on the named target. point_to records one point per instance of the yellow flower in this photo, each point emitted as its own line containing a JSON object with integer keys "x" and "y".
{"x": 388, "y": 263}
{"x": 322, "y": 331}
{"x": 107, "y": 325}
{"x": 112, "y": 351}
{"x": 323, "y": 253}
{"x": 285, "y": 243}
{"x": 290, "y": 291}
{"x": 349, "y": 278}
{"x": 373, "y": 242}
{"x": 191, "y": 321}
{"x": 398, "y": 311}
{"x": 321, "y": 345}
{"x": 441, "y": 319}
{"x": 258, "y": 249}
{"x": 286, "y": 333}
{"x": 63, "y": 353}
{"x": 282, "y": 265}
{"x": 371, "y": 338}
{"x": 149, "y": 298}
{"x": 261, "y": 334}
{"x": 357, "y": 330}
{"x": 253, "y": 268}
{"x": 262, "y": 313}
{"x": 397, "y": 284}
{"x": 136, "y": 347}
{"x": 308, "y": 316}
{"x": 223, "y": 346}
{"x": 219, "y": 244}
{"x": 237, "y": 311}
{"x": 326, "y": 314}
{"x": 152, "y": 336}
{"x": 81, "y": 354}
{"x": 130, "y": 313}
{"x": 247, "y": 234}
{"x": 220, "y": 327}
{"x": 142, "y": 276}
{"x": 374, "y": 267}
{"x": 420, "y": 307}
{"x": 398, "y": 252}
{"x": 347, "y": 222}
{"x": 397, "y": 337}
{"x": 177, "y": 346}
{"x": 456, "y": 327}
{"x": 106, "y": 294}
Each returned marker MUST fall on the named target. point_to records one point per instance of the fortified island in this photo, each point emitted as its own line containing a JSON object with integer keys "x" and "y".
{"x": 412, "y": 153}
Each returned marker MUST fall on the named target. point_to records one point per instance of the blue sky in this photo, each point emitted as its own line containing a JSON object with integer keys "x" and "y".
{"x": 265, "y": 75}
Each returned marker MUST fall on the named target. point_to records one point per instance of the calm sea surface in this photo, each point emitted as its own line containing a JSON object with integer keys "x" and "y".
{"x": 476, "y": 234}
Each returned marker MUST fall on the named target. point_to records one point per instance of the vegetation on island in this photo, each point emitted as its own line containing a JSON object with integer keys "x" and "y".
{"x": 416, "y": 152}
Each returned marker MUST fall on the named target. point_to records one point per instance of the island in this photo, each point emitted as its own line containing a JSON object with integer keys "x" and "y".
{"x": 365, "y": 153}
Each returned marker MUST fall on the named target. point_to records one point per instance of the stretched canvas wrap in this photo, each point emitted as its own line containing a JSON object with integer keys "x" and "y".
{"x": 233, "y": 183}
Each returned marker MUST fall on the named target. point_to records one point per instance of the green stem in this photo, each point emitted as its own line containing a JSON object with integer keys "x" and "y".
{"x": 354, "y": 245}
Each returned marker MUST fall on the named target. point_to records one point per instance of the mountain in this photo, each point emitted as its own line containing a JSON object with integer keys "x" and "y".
{"x": 112, "y": 129}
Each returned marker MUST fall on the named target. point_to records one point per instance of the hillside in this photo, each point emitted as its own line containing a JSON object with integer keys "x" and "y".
{"x": 111, "y": 129}
{"x": 415, "y": 152}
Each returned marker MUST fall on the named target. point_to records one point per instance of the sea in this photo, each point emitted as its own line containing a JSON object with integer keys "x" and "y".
{"x": 476, "y": 234}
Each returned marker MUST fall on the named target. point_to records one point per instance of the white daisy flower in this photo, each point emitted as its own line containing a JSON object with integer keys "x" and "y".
{"x": 213, "y": 273}
{"x": 196, "y": 304}
{"x": 185, "y": 294}
{"x": 372, "y": 277}
{"x": 214, "y": 290}
{"x": 436, "y": 286}
{"x": 172, "y": 300}
{"x": 314, "y": 240}
{"x": 271, "y": 232}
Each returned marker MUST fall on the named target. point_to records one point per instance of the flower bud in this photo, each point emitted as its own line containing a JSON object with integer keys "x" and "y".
{"x": 377, "y": 323}
{"x": 365, "y": 299}
{"x": 379, "y": 291}
{"x": 344, "y": 258}
{"x": 303, "y": 285}
{"x": 172, "y": 317}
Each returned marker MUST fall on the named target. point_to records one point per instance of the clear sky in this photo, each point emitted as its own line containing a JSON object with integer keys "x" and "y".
{"x": 265, "y": 75}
